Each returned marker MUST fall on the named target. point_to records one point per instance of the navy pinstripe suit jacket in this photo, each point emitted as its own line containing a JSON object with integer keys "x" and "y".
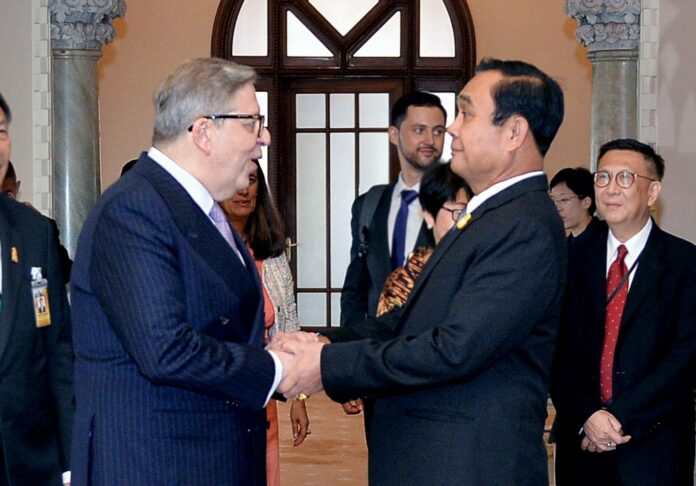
{"x": 171, "y": 376}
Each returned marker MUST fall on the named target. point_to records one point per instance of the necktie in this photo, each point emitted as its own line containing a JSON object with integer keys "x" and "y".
{"x": 220, "y": 220}
{"x": 400, "y": 282}
{"x": 612, "y": 322}
{"x": 399, "y": 235}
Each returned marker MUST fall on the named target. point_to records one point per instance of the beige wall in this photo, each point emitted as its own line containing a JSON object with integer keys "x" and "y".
{"x": 676, "y": 137}
{"x": 157, "y": 35}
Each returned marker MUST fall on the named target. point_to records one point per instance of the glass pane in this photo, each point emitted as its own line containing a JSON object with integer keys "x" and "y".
{"x": 310, "y": 111}
{"x": 342, "y": 195}
{"x": 374, "y": 110}
{"x": 311, "y": 209}
{"x": 386, "y": 42}
{"x": 262, "y": 97}
{"x": 311, "y": 309}
{"x": 251, "y": 31}
{"x": 374, "y": 160}
{"x": 448, "y": 101}
{"x": 301, "y": 41}
{"x": 342, "y": 108}
{"x": 336, "y": 309}
{"x": 436, "y": 34}
{"x": 343, "y": 15}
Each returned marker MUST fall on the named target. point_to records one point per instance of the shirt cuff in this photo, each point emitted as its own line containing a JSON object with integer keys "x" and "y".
{"x": 66, "y": 477}
{"x": 278, "y": 375}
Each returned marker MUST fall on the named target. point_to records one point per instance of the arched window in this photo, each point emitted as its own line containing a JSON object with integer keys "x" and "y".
{"x": 328, "y": 73}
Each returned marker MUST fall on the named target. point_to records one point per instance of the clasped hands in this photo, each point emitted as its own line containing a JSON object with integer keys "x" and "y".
{"x": 603, "y": 433}
{"x": 300, "y": 354}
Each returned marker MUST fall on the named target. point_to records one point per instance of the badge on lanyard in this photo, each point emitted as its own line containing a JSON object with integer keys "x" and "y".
{"x": 39, "y": 294}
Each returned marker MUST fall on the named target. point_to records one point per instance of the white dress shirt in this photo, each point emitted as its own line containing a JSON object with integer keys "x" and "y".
{"x": 414, "y": 221}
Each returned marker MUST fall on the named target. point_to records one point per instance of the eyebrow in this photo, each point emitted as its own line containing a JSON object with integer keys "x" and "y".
{"x": 465, "y": 99}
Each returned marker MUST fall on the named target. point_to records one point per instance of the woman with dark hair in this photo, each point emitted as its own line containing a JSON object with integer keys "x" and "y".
{"x": 253, "y": 215}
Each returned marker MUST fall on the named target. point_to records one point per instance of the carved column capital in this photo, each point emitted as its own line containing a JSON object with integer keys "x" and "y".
{"x": 83, "y": 24}
{"x": 606, "y": 24}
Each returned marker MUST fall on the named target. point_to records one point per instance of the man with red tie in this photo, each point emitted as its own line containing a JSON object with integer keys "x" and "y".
{"x": 624, "y": 370}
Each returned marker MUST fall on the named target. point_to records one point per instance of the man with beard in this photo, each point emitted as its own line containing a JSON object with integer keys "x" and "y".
{"x": 417, "y": 130}
{"x": 387, "y": 221}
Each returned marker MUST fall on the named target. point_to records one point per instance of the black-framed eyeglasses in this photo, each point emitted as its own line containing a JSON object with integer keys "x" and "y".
{"x": 563, "y": 200}
{"x": 624, "y": 178}
{"x": 258, "y": 120}
{"x": 455, "y": 212}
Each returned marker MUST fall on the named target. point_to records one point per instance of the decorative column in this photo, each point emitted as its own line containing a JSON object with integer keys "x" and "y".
{"x": 79, "y": 29}
{"x": 611, "y": 31}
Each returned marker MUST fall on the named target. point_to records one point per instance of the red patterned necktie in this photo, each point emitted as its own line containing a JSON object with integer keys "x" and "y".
{"x": 612, "y": 322}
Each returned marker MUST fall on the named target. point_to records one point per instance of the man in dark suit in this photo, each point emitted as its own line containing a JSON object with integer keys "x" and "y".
{"x": 171, "y": 375}
{"x": 10, "y": 187}
{"x": 624, "y": 369}
{"x": 36, "y": 374}
{"x": 462, "y": 387}
{"x": 417, "y": 130}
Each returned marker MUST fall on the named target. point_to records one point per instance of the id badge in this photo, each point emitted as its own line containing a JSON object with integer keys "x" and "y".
{"x": 39, "y": 294}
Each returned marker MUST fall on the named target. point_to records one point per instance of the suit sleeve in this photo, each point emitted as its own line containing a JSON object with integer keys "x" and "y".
{"x": 356, "y": 284}
{"x": 381, "y": 328}
{"x": 135, "y": 273}
{"x": 514, "y": 279}
{"x": 58, "y": 346}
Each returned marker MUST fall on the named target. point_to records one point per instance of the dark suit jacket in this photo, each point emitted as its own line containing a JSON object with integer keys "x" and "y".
{"x": 462, "y": 389}
{"x": 366, "y": 274}
{"x": 171, "y": 373}
{"x": 36, "y": 364}
{"x": 653, "y": 365}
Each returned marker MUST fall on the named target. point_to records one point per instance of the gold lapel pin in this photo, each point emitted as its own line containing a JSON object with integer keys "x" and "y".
{"x": 464, "y": 221}
{"x": 14, "y": 255}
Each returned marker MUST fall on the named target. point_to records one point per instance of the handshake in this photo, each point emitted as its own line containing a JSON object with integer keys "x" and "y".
{"x": 300, "y": 354}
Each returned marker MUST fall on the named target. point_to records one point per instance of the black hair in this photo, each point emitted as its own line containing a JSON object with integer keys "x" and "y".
{"x": 527, "y": 91}
{"x": 439, "y": 185}
{"x": 6, "y": 109}
{"x": 10, "y": 174}
{"x": 264, "y": 229}
{"x": 652, "y": 158}
{"x": 578, "y": 180}
{"x": 128, "y": 166}
{"x": 414, "y": 98}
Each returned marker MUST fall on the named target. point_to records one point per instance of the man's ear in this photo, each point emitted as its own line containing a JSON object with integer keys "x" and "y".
{"x": 200, "y": 132}
{"x": 586, "y": 202}
{"x": 515, "y": 130}
{"x": 393, "y": 135}
{"x": 654, "y": 191}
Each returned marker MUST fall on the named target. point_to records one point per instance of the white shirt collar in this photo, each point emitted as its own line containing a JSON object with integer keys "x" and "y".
{"x": 488, "y": 193}
{"x": 401, "y": 185}
{"x": 193, "y": 186}
{"x": 635, "y": 245}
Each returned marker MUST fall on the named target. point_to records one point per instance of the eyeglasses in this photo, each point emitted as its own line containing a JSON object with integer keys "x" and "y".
{"x": 258, "y": 121}
{"x": 624, "y": 178}
{"x": 563, "y": 200}
{"x": 455, "y": 212}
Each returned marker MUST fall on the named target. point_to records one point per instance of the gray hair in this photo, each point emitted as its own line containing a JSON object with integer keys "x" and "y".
{"x": 197, "y": 88}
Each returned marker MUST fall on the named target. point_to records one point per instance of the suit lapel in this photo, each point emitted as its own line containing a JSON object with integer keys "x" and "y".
{"x": 381, "y": 263}
{"x": 536, "y": 183}
{"x": 650, "y": 268}
{"x": 12, "y": 277}
{"x": 200, "y": 232}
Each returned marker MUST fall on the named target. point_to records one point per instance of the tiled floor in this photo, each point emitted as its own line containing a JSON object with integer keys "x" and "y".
{"x": 335, "y": 453}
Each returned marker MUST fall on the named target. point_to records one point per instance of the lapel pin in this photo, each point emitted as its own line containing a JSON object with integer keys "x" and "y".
{"x": 14, "y": 255}
{"x": 464, "y": 221}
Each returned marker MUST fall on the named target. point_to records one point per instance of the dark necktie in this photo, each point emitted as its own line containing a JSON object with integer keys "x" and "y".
{"x": 220, "y": 220}
{"x": 612, "y": 322}
{"x": 399, "y": 235}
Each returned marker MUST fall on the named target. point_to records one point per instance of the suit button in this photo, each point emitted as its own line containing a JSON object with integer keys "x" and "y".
{"x": 224, "y": 320}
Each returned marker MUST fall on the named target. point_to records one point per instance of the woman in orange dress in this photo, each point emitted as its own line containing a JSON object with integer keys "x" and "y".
{"x": 253, "y": 216}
